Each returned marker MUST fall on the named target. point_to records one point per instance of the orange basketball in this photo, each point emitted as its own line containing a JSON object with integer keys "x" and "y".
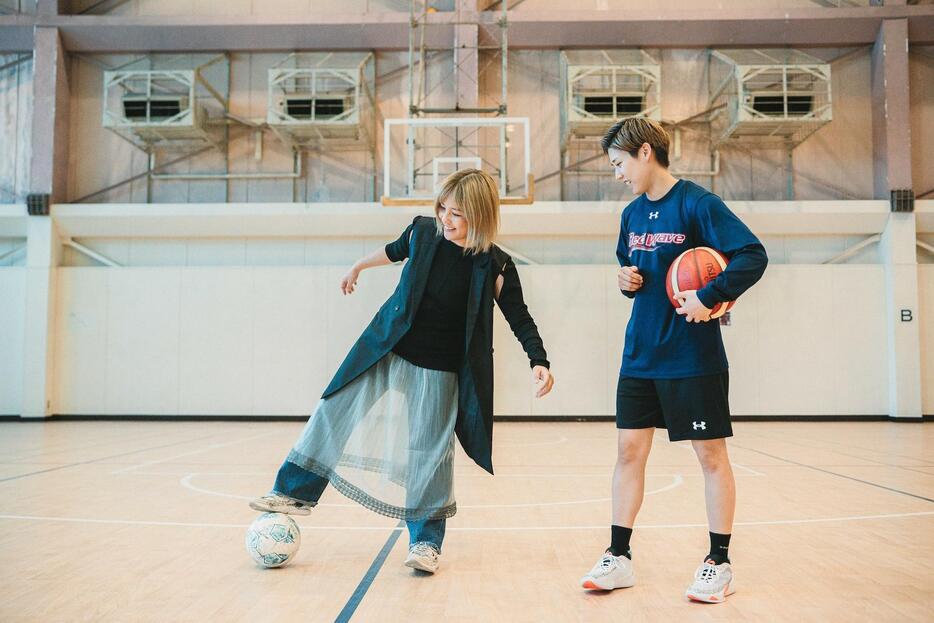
{"x": 694, "y": 269}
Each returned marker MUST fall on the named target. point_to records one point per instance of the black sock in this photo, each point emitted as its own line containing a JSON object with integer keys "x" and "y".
{"x": 719, "y": 548}
{"x": 619, "y": 543}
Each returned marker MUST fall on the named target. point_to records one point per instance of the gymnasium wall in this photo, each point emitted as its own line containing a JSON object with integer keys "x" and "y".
{"x": 12, "y": 327}
{"x": 264, "y": 341}
{"x": 254, "y": 325}
{"x": 244, "y": 7}
{"x": 208, "y": 341}
{"x": 682, "y": 5}
{"x": 15, "y": 128}
{"x": 835, "y": 163}
{"x": 926, "y": 313}
{"x": 921, "y": 77}
{"x": 286, "y": 7}
{"x": 310, "y": 251}
{"x": 346, "y": 175}
{"x": 12, "y": 251}
{"x": 12, "y": 315}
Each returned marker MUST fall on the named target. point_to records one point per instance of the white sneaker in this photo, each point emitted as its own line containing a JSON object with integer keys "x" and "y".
{"x": 423, "y": 556}
{"x": 712, "y": 583}
{"x": 609, "y": 573}
{"x": 275, "y": 503}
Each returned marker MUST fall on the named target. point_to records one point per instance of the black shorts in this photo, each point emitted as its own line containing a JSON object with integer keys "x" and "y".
{"x": 693, "y": 408}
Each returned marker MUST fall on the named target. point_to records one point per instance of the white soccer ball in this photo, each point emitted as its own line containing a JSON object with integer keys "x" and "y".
{"x": 272, "y": 539}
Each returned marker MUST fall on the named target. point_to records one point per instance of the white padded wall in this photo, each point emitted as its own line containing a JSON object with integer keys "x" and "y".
{"x": 12, "y": 327}
{"x": 81, "y": 341}
{"x": 825, "y": 357}
{"x": 265, "y": 341}
{"x": 926, "y": 318}
{"x": 810, "y": 340}
{"x": 206, "y": 341}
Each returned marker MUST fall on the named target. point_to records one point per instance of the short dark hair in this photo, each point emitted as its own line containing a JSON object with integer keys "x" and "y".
{"x": 630, "y": 134}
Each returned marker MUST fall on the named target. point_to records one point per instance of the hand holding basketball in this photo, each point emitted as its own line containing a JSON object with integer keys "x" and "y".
{"x": 691, "y": 307}
{"x": 690, "y": 272}
{"x": 629, "y": 278}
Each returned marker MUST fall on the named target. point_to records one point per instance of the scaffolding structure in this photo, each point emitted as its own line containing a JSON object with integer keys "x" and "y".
{"x": 444, "y": 130}
{"x": 464, "y": 38}
{"x": 768, "y": 98}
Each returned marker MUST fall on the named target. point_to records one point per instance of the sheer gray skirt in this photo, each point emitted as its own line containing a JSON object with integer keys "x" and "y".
{"x": 386, "y": 440}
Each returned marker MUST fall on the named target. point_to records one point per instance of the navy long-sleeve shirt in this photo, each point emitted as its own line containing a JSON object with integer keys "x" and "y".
{"x": 661, "y": 344}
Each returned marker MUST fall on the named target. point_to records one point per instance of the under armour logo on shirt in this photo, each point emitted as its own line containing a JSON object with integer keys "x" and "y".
{"x": 653, "y": 215}
{"x": 700, "y": 425}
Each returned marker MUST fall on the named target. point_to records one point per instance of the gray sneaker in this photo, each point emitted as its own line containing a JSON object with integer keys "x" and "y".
{"x": 275, "y": 503}
{"x": 423, "y": 556}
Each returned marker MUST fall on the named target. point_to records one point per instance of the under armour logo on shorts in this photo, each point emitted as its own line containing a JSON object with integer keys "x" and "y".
{"x": 653, "y": 215}
{"x": 700, "y": 425}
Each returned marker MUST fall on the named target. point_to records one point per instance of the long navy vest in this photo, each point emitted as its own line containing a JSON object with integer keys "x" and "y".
{"x": 474, "y": 426}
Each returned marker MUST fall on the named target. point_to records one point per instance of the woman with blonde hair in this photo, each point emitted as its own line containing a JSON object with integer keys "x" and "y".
{"x": 421, "y": 372}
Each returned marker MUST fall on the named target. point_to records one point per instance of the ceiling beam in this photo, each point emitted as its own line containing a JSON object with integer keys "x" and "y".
{"x": 528, "y": 29}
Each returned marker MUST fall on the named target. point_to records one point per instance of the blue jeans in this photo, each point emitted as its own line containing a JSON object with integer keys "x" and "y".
{"x": 298, "y": 483}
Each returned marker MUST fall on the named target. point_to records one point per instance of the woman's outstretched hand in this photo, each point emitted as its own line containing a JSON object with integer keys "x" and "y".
{"x": 349, "y": 281}
{"x": 542, "y": 376}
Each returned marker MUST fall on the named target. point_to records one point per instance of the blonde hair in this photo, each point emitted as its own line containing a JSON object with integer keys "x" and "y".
{"x": 476, "y": 195}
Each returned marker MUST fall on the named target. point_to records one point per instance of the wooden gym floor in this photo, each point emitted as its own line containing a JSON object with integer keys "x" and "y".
{"x": 144, "y": 521}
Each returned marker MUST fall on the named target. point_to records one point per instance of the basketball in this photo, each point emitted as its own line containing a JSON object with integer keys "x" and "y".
{"x": 272, "y": 539}
{"x": 694, "y": 269}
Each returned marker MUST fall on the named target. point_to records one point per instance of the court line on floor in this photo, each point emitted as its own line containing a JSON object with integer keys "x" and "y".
{"x": 688, "y": 446}
{"x": 524, "y": 444}
{"x": 354, "y": 601}
{"x": 849, "y": 446}
{"x": 181, "y": 524}
{"x": 910, "y": 469}
{"x": 360, "y": 592}
{"x": 799, "y": 443}
{"x": 184, "y": 454}
{"x": 827, "y": 471}
{"x": 114, "y": 456}
{"x": 67, "y": 446}
{"x": 677, "y": 480}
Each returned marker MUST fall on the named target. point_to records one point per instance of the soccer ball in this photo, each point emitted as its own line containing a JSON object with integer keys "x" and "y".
{"x": 272, "y": 539}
